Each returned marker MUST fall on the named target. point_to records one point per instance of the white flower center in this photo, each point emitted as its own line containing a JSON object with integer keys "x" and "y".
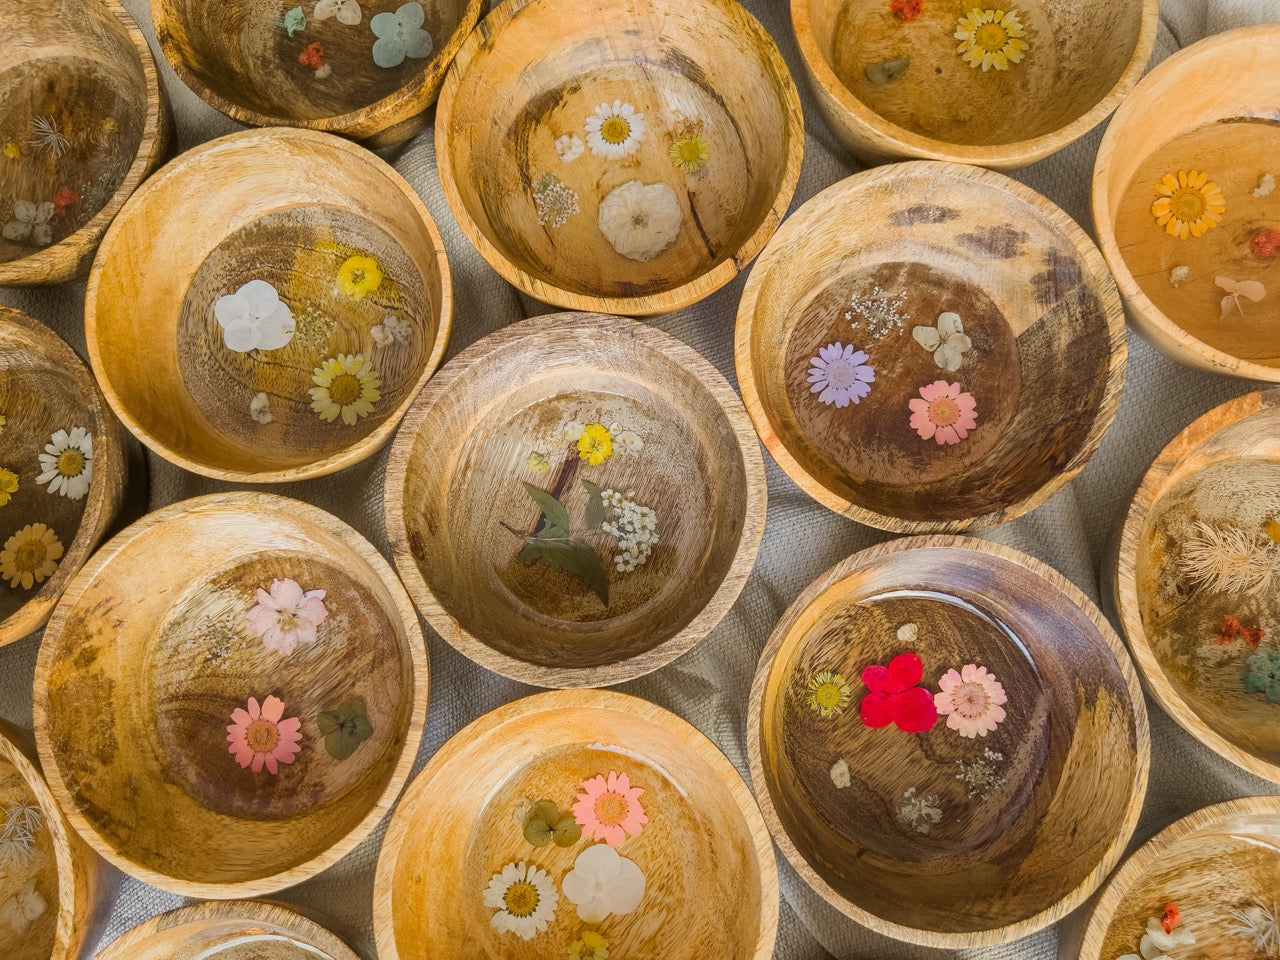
{"x": 841, "y": 374}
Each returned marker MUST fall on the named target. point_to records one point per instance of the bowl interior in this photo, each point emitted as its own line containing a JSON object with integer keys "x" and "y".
{"x": 626, "y": 165}
{"x": 255, "y": 932}
{"x": 73, "y": 109}
{"x": 28, "y": 870}
{"x": 997, "y": 812}
{"x": 875, "y": 265}
{"x": 309, "y": 224}
{"x": 1075, "y": 53}
{"x": 158, "y": 656}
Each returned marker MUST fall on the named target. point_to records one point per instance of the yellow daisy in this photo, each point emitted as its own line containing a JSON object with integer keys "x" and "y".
{"x": 991, "y": 38}
{"x": 346, "y": 386}
{"x": 829, "y": 694}
{"x": 590, "y": 946}
{"x": 30, "y": 555}
{"x": 690, "y": 153}
{"x": 359, "y": 276}
{"x": 8, "y": 485}
{"x": 1188, "y": 204}
{"x": 596, "y": 444}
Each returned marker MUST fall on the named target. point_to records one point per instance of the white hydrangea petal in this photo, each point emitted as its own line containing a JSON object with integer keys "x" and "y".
{"x": 25, "y": 211}
{"x": 627, "y": 889}
{"x": 230, "y": 308}
{"x": 388, "y": 51}
{"x": 240, "y": 336}
{"x": 578, "y": 887}
{"x": 277, "y": 329}
{"x": 593, "y": 911}
{"x": 260, "y": 297}
{"x": 927, "y": 337}
{"x": 383, "y": 24}
{"x": 349, "y": 12}
{"x": 949, "y": 324}
{"x": 419, "y": 45}
{"x": 411, "y": 14}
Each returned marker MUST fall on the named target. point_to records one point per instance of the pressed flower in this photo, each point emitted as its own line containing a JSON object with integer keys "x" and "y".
{"x": 67, "y": 463}
{"x": 971, "y": 700}
{"x": 260, "y": 408}
{"x": 840, "y": 774}
{"x": 259, "y": 736}
{"x": 840, "y": 374}
{"x": 30, "y": 555}
{"x": 906, "y": 10}
{"x": 878, "y": 311}
{"x": 1272, "y": 526}
{"x": 629, "y": 441}
{"x": 609, "y": 809}
{"x": 633, "y": 525}
{"x": 538, "y": 463}
{"x": 64, "y": 198}
{"x": 991, "y": 38}
{"x": 981, "y": 775}
{"x": 615, "y": 131}
{"x": 1266, "y": 183}
{"x": 882, "y": 71}
{"x": 400, "y": 35}
{"x": 8, "y": 485}
{"x": 918, "y": 811}
{"x": 254, "y": 318}
{"x": 287, "y": 616}
{"x": 23, "y": 908}
{"x": 640, "y": 220}
{"x": 1249, "y": 289}
{"x": 895, "y": 696}
{"x": 1233, "y": 629}
{"x": 589, "y": 946}
{"x": 345, "y": 727}
{"x": 546, "y": 824}
{"x": 1266, "y": 244}
{"x": 602, "y": 883}
{"x": 1259, "y": 926}
{"x": 1262, "y": 674}
{"x": 525, "y": 898}
{"x": 359, "y": 276}
{"x": 109, "y": 125}
{"x": 347, "y": 386}
{"x": 569, "y": 147}
{"x": 294, "y": 20}
{"x": 595, "y": 444}
{"x": 347, "y": 11}
{"x": 1229, "y": 560}
{"x": 689, "y": 153}
{"x": 909, "y": 633}
{"x": 1187, "y": 204}
{"x": 554, "y": 200}
{"x": 1179, "y": 275}
{"x": 12, "y": 150}
{"x": 30, "y": 222}
{"x": 829, "y": 694}
{"x": 312, "y": 55}
{"x": 47, "y": 137}
{"x": 943, "y": 413}
{"x": 1157, "y": 942}
{"x": 946, "y": 341}
{"x": 1171, "y": 917}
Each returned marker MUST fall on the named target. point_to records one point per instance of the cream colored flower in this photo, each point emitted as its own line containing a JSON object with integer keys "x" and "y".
{"x": 615, "y": 131}
{"x": 68, "y": 463}
{"x": 30, "y": 555}
{"x": 347, "y": 386}
{"x": 639, "y": 220}
{"x": 991, "y": 38}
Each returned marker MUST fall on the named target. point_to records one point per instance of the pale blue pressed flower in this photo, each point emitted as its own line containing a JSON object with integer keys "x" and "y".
{"x": 295, "y": 20}
{"x": 400, "y": 35}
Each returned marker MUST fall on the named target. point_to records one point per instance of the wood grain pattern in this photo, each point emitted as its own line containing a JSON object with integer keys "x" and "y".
{"x": 1225, "y": 90}
{"x": 288, "y": 207}
{"x": 536, "y": 70}
{"x": 151, "y": 651}
{"x": 939, "y": 839}
{"x": 457, "y": 513}
{"x": 705, "y": 851}
{"x": 1045, "y": 367}
{"x": 84, "y": 67}
{"x": 1084, "y": 58}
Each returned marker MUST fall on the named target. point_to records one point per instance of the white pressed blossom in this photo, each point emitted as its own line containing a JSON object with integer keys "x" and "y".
{"x": 908, "y": 633}
{"x": 919, "y": 811}
{"x": 1229, "y": 560}
{"x": 947, "y": 341}
{"x": 602, "y": 884}
{"x": 260, "y": 408}
{"x": 400, "y": 35}
{"x": 47, "y": 137}
{"x": 254, "y": 318}
{"x": 1266, "y": 183}
{"x": 1179, "y": 275}
{"x": 67, "y": 463}
{"x": 569, "y": 147}
{"x": 23, "y": 908}
{"x": 633, "y": 526}
{"x": 347, "y": 11}
{"x": 525, "y": 899}
{"x": 640, "y": 220}
{"x": 31, "y": 221}
{"x": 840, "y": 774}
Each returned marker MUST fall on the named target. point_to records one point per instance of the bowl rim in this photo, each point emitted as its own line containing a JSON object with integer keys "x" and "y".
{"x": 1110, "y": 642}
{"x": 246, "y": 503}
{"x": 1158, "y": 328}
{"x": 663, "y": 301}
{"x": 633, "y": 709}
{"x": 106, "y": 487}
{"x": 531, "y": 332}
{"x": 66, "y": 258}
{"x": 382, "y": 116}
{"x": 819, "y": 207}
{"x": 1124, "y": 583}
{"x": 1197, "y": 822}
{"x": 257, "y": 139}
{"x": 902, "y": 143}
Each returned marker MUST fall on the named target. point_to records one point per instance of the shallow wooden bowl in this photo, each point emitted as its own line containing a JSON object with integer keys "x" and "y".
{"x": 323, "y": 242}
{"x": 1210, "y": 300}
{"x": 630, "y": 161}
{"x": 1080, "y": 60}
{"x": 1201, "y": 547}
{"x": 948, "y": 741}
{"x": 82, "y": 121}
{"x": 48, "y": 398}
{"x": 269, "y": 64}
{"x": 1218, "y": 866}
{"x": 531, "y": 411}
{"x": 688, "y": 824}
{"x": 930, "y": 347}
{"x": 190, "y": 623}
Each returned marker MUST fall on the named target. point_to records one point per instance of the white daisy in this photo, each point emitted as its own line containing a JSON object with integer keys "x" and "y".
{"x": 615, "y": 131}
{"x": 639, "y": 220}
{"x": 569, "y": 147}
{"x": 68, "y": 463}
{"x": 525, "y": 898}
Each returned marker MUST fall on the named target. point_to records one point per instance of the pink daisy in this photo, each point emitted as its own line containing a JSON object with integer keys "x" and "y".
{"x": 610, "y": 809}
{"x": 945, "y": 413}
{"x": 260, "y": 737}
{"x": 971, "y": 700}
{"x": 287, "y": 616}
{"x": 840, "y": 374}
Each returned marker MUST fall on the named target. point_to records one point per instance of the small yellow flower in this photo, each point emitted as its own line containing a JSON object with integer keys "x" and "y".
{"x": 829, "y": 694}
{"x": 109, "y": 125}
{"x": 538, "y": 463}
{"x": 596, "y": 444}
{"x": 30, "y": 555}
{"x": 8, "y": 485}
{"x": 1188, "y": 204}
{"x": 1273, "y": 529}
{"x": 690, "y": 153}
{"x": 12, "y": 150}
{"x": 347, "y": 386}
{"x": 359, "y": 276}
{"x": 991, "y": 38}
{"x": 3, "y": 421}
{"x": 590, "y": 946}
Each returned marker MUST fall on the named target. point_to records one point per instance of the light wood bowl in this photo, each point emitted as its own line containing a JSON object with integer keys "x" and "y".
{"x": 45, "y": 388}
{"x": 711, "y": 884}
{"x": 239, "y": 58}
{"x": 1225, "y": 89}
{"x": 1083, "y": 59}
{"x": 39, "y": 848}
{"x": 154, "y": 646}
{"x": 1216, "y": 861}
{"x": 83, "y": 120}
{"x": 700, "y": 73}
{"x": 300, "y": 211}
{"x": 1220, "y": 476}
{"x": 458, "y": 514}
{"x": 866, "y": 262}
{"x": 949, "y": 838}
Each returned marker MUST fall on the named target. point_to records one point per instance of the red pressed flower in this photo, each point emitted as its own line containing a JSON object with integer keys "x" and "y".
{"x": 1172, "y": 917}
{"x": 896, "y": 696}
{"x": 1233, "y": 629}
{"x": 313, "y": 55}
{"x": 66, "y": 197}
{"x": 1266, "y": 244}
{"x": 906, "y": 10}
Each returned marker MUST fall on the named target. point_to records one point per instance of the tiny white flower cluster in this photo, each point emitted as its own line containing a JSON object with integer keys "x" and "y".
{"x": 635, "y": 527}
{"x": 880, "y": 311}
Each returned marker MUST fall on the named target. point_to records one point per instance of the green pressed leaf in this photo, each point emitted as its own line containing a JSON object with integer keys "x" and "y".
{"x": 327, "y": 722}
{"x": 345, "y": 728}
{"x": 557, "y": 517}
{"x": 539, "y": 825}
{"x": 595, "y": 505}
{"x": 529, "y": 552}
{"x": 882, "y": 73}
{"x": 567, "y": 832}
{"x": 579, "y": 559}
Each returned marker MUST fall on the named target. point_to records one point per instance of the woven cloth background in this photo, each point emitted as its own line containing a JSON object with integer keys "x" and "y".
{"x": 709, "y": 685}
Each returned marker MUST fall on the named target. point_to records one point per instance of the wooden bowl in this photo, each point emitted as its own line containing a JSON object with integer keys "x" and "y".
{"x": 691, "y": 828}
{"x": 1185, "y": 294}
{"x": 532, "y": 410}
{"x": 895, "y": 86}
{"x": 324, "y": 244}
{"x": 981, "y": 806}
{"x": 82, "y": 121}
{"x": 629, "y": 161}
{"x": 191, "y": 622}
{"x": 260, "y": 65}
{"x": 1217, "y": 865}
{"x": 51, "y": 883}
{"x": 912, "y": 275}
{"x": 47, "y": 398}
{"x": 1200, "y": 545}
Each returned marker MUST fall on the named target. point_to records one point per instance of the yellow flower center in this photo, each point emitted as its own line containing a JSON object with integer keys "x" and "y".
{"x": 615, "y": 130}
{"x": 991, "y": 37}
{"x": 345, "y": 389}
{"x": 357, "y": 277}
{"x": 690, "y": 151}
{"x": 71, "y": 463}
{"x": 521, "y": 899}
{"x": 944, "y": 412}
{"x": 1188, "y": 204}
{"x": 29, "y": 556}
{"x": 611, "y": 809}
{"x": 262, "y": 736}
{"x": 827, "y": 695}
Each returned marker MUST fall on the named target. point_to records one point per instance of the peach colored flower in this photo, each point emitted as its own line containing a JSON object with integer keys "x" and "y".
{"x": 971, "y": 700}
{"x": 260, "y": 737}
{"x": 609, "y": 809}
{"x": 287, "y": 616}
{"x": 945, "y": 414}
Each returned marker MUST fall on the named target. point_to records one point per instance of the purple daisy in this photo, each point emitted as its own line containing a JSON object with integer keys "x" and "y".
{"x": 840, "y": 374}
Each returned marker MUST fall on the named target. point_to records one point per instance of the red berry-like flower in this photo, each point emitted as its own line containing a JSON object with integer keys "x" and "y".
{"x": 1172, "y": 917}
{"x": 1233, "y": 629}
{"x": 896, "y": 696}
{"x": 1266, "y": 244}
{"x": 312, "y": 56}
{"x": 66, "y": 197}
{"x": 906, "y": 10}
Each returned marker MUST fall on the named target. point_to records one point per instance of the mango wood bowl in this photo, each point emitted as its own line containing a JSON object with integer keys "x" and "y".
{"x": 267, "y": 306}
{"x": 62, "y": 470}
{"x": 577, "y": 819}
{"x": 1185, "y": 206}
{"x": 893, "y": 83}
{"x": 930, "y": 347}
{"x": 230, "y": 695}
{"x": 575, "y": 500}
{"x": 948, "y": 741}
{"x": 231, "y": 930}
{"x": 51, "y": 883}
{"x": 1197, "y": 582}
{"x": 1218, "y": 866}
{"x": 630, "y": 161}
{"x": 365, "y": 69}
{"x": 83, "y": 120}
